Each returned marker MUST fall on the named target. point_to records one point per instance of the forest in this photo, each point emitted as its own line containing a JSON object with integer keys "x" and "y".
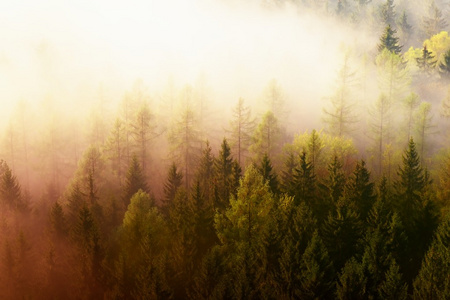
{"x": 312, "y": 164}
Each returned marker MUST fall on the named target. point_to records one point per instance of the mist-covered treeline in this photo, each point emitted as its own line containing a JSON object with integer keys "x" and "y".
{"x": 327, "y": 179}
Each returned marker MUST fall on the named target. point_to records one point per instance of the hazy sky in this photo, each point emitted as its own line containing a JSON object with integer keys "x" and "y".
{"x": 66, "y": 49}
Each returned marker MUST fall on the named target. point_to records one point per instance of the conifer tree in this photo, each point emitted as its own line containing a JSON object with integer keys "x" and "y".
{"x": 305, "y": 184}
{"x": 433, "y": 22}
{"x": 57, "y": 220}
{"x": 389, "y": 40}
{"x": 405, "y": 29}
{"x": 116, "y": 150}
{"x": 393, "y": 287}
{"x": 10, "y": 191}
{"x": 317, "y": 274}
{"x": 267, "y": 138}
{"x": 315, "y": 146}
{"x": 223, "y": 169}
{"x": 381, "y": 115}
{"x": 387, "y": 13}
{"x": 287, "y": 184}
{"x": 266, "y": 170}
{"x": 352, "y": 281}
{"x": 411, "y": 102}
{"x": 444, "y": 66}
{"x": 427, "y": 61}
{"x": 173, "y": 183}
{"x": 433, "y": 281}
{"x": 135, "y": 181}
{"x": 359, "y": 191}
{"x": 241, "y": 131}
{"x": 340, "y": 115}
{"x": 143, "y": 131}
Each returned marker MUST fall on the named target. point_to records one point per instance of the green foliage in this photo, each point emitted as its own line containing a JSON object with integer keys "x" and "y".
{"x": 389, "y": 40}
{"x": 57, "y": 220}
{"x": 444, "y": 66}
{"x": 266, "y": 170}
{"x": 267, "y": 138}
{"x": 427, "y": 61}
{"x": 433, "y": 281}
{"x": 172, "y": 184}
{"x": 352, "y": 281}
{"x": 393, "y": 287}
{"x": 223, "y": 169}
{"x": 135, "y": 181}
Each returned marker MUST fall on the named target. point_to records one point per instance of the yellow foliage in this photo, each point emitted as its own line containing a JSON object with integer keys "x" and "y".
{"x": 438, "y": 44}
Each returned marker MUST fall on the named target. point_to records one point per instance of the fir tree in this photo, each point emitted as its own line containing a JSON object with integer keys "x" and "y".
{"x": 10, "y": 191}
{"x": 444, "y": 66}
{"x": 427, "y": 61}
{"x": 287, "y": 184}
{"x": 393, "y": 287}
{"x": 172, "y": 184}
{"x": 57, "y": 220}
{"x": 223, "y": 169}
{"x": 305, "y": 184}
{"x": 266, "y": 170}
{"x": 135, "y": 181}
{"x": 352, "y": 281}
{"x": 389, "y": 41}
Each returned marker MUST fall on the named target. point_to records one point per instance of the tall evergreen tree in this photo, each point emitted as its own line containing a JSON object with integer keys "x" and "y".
{"x": 135, "y": 181}
{"x": 267, "y": 138}
{"x": 269, "y": 176}
{"x": 433, "y": 22}
{"x": 241, "y": 131}
{"x": 305, "y": 184}
{"x": 223, "y": 169}
{"x": 444, "y": 66}
{"x": 172, "y": 184}
{"x": 10, "y": 190}
{"x": 389, "y": 41}
{"x": 427, "y": 61}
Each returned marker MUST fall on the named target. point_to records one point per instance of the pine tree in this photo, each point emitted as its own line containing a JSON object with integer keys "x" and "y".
{"x": 205, "y": 173}
{"x": 116, "y": 149}
{"x": 359, "y": 191}
{"x": 266, "y": 170}
{"x": 10, "y": 190}
{"x": 393, "y": 287}
{"x": 334, "y": 185}
{"x": 287, "y": 184}
{"x": 316, "y": 271}
{"x": 352, "y": 281}
{"x": 305, "y": 184}
{"x": 427, "y": 61}
{"x": 387, "y": 13}
{"x": 173, "y": 183}
{"x": 434, "y": 22}
{"x": 444, "y": 66}
{"x": 405, "y": 29}
{"x": 389, "y": 41}
{"x": 223, "y": 169}
{"x": 433, "y": 281}
{"x": 135, "y": 181}
{"x": 315, "y": 146}
{"x": 411, "y": 103}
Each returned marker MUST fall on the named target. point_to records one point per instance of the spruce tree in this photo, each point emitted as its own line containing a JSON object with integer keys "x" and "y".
{"x": 389, "y": 41}
{"x": 287, "y": 184}
{"x": 135, "y": 181}
{"x": 427, "y": 61}
{"x": 444, "y": 66}
{"x": 223, "y": 169}
{"x": 10, "y": 191}
{"x": 305, "y": 184}
{"x": 172, "y": 184}
{"x": 269, "y": 176}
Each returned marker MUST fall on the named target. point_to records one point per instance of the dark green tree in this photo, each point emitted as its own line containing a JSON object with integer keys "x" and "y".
{"x": 359, "y": 191}
{"x": 266, "y": 170}
{"x": 389, "y": 41}
{"x": 172, "y": 184}
{"x": 352, "y": 282}
{"x": 134, "y": 181}
{"x": 433, "y": 281}
{"x": 305, "y": 184}
{"x": 427, "y": 61}
{"x": 223, "y": 169}
{"x": 444, "y": 66}
{"x": 287, "y": 184}
{"x": 393, "y": 287}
